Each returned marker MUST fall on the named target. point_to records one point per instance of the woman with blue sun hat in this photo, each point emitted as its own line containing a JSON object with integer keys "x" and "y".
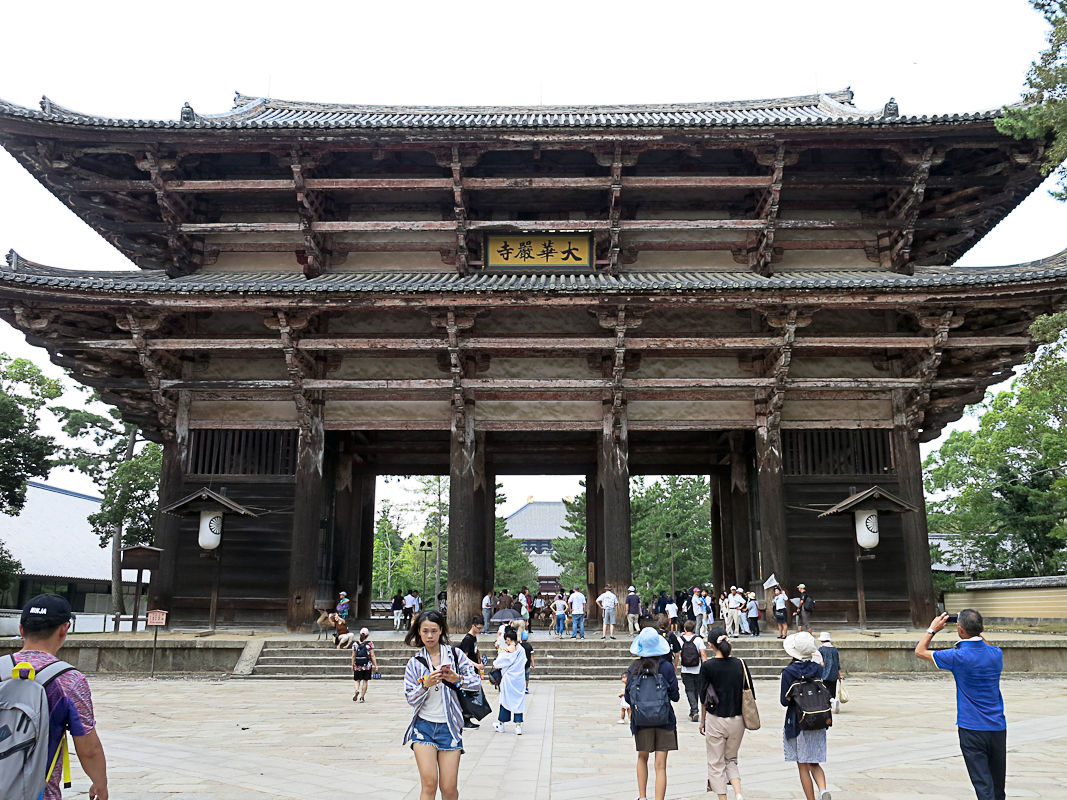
{"x": 651, "y": 687}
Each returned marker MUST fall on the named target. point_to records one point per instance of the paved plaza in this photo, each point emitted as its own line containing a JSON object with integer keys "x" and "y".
{"x": 259, "y": 740}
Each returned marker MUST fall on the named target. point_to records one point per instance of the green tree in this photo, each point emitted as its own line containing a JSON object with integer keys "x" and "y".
{"x": 10, "y": 568}
{"x": 570, "y": 553}
{"x": 388, "y": 552}
{"x": 24, "y": 453}
{"x": 1045, "y": 109}
{"x": 128, "y": 480}
{"x": 513, "y": 568}
{"x": 431, "y": 503}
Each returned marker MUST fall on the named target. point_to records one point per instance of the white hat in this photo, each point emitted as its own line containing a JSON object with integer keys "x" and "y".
{"x": 630, "y": 589}
{"x": 800, "y": 646}
{"x": 824, "y": 636}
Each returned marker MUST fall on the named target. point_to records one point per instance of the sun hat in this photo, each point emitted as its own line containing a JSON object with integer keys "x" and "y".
{"x": 824, "y": 636}
{"x": 800, "y": 645}
{"x": 631, "y": 589}
{"x": 649, "y": 643}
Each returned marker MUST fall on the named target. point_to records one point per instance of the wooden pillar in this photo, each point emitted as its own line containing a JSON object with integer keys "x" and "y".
{"x": 724, "y": 504}
{"x": 307, "y": 516}
{"x": 168, "y": 526}
{"x": 718, "y": 567}
{"x": 347, "y": 518}
{"x": 773, "y": 536}
{"x": 594, "y": 536}
{"x": 489, "y": 579}
{"x": 613, "y": 469}
{"x": 465, "y": 571}
{"x": 920, "y": 577}
{"x": 367, "y": 482}
{"x": 742, "y": 529}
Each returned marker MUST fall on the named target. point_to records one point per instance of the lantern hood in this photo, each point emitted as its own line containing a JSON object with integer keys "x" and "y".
{"x": 874, "y": 499}
{"x": 206, "y": 500}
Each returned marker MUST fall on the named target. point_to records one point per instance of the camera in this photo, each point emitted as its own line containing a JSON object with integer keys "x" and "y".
{"x": 953, "y": 619}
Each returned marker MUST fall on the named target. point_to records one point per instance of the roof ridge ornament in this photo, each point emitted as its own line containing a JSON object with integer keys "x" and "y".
{"x": 188, "y": 115}
{"x": 891, "y": 108}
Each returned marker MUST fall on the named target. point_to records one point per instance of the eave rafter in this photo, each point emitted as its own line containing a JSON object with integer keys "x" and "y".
{"x": 614, "y": 370}
{"x": 311, "y": 205}
{"x": 157, "y": 365}
{"x": 300, "y": 366}
{"x": 453, "y": 322}
{"x": 777, "y": 366}
{"x": 761, "y": 248}
{"x": 184, "y": 250}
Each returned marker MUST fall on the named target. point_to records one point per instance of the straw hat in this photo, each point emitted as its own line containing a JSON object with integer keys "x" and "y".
{"x": 800, "y": 646}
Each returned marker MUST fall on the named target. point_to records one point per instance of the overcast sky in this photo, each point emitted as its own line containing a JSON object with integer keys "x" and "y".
{"x": 127, "y": 59}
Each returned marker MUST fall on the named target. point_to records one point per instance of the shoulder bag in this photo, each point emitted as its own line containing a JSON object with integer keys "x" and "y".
{"x": 842, "y": 692}
{"x": 749, "y": 711}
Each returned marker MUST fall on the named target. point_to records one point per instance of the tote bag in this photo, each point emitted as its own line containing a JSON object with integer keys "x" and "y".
{"x": 749, "y": 711}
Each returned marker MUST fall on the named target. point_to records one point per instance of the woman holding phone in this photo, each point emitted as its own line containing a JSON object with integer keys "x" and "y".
{"x": 431, "y": 682}
{"x": 512, "y": 665}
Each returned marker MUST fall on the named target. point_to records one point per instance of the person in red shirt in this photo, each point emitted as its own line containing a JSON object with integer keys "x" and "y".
{"x": 44, "y": 625}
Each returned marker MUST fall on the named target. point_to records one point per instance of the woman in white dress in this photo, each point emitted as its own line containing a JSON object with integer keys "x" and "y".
{"x": 512, "y": 665}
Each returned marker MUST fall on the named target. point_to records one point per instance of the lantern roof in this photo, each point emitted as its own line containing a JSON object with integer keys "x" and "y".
{"x": 874, "y": 499}
{"x": 206, "y": 500}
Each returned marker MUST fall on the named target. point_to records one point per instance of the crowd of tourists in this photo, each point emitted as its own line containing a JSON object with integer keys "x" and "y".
{"x": 443, "y": 685}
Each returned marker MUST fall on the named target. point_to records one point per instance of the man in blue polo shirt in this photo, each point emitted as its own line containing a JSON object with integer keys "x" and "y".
{"x": 976, "y": 665}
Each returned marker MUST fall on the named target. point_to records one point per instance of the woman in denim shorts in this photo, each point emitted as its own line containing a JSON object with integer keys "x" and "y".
{"x": 431, "y": 679}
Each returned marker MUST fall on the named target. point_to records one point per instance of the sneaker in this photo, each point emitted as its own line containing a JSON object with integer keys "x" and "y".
{"x": 612, "y": 638}
{"x": 471, "y": 724}
{"x": 605, "y": 637}
{"x": 363, "y": 699}
{"x": 824, "y": 794}
{"x": 498, "y": 727}
{"x": 355, "y": 697}
{"x": 694, "y": 718}
{"x": 621, "y": 721}
{"x": 518, "y": 732}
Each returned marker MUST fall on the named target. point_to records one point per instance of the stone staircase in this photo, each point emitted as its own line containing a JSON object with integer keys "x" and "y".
{"x": 591, "y": 659}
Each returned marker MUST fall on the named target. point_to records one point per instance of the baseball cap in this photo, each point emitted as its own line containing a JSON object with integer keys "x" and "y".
{"x": 45, "y": 611}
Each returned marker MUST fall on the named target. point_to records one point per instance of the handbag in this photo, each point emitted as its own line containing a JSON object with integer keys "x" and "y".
{"x": 749, "y": 711}
{"x": 472, "y": 702}
{"x": 842, "y": 692}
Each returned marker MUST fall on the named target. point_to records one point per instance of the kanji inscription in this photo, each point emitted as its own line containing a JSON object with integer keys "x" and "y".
{"x": 528, "y": 251}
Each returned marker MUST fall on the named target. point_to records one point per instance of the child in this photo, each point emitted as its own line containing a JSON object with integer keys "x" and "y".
{"x": 624, "y": 707}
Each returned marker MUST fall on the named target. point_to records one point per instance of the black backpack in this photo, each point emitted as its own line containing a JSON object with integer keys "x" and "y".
{"x": 812, "y": 700}
{"x": 809, "y": 604}
{"x": 650, "y": 705}
{"x": 362, "y": 657}
{"x": 690, "y": 653}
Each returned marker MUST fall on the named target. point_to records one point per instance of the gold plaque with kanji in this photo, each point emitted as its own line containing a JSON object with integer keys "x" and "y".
{"x": 534, "y": 251}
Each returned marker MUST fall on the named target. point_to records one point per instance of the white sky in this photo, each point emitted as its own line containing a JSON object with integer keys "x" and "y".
{"x": 136, "y": 59}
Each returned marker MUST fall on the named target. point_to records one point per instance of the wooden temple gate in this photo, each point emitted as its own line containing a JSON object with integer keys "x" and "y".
{"x": 759, "y": 292}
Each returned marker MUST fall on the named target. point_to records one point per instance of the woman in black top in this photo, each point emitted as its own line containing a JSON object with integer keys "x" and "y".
{"x": 722, "y": 726}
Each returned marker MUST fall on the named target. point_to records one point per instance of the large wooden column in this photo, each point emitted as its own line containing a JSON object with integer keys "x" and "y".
{"x": 307, "y": 516}
{"x": 465, "y": 526}
{"x": 367, "y": 485}
{"x": 742, "y": 530}
{"x": 908, "y": 463}
{"x": 718, "y": 514}
{"x": 346, "y": 524}
{"x": 171, "y": 490}
{"x": 489, "y": 523}
{"x": 594, "y": 537}
{"x": 613, "y": 478}
{"x": 723, "y": 501}
{"x": 773, "y": 537}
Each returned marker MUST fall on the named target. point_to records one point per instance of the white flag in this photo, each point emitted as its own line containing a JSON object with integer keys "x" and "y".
{"x": 771, "y": 582}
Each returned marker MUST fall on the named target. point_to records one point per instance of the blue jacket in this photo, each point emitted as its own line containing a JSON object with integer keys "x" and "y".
{"x": 666, "y": 670}
{"x": 831, "y": 660}
{"x": 790, "y": 675}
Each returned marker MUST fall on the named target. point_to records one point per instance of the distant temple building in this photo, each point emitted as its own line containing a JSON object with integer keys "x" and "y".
{"x": 537, "y": 525}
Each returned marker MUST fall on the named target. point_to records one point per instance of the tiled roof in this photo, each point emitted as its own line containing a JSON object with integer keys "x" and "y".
{"x": 540, "y": 520}
{"x": 834, "y": 108}
{"x": 19, "y": 272}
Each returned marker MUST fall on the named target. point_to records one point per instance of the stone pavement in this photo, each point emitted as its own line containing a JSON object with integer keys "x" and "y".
{"x": 239, "y": 740}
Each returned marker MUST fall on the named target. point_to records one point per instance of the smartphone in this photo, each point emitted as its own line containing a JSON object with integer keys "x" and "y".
{"x": 445, "y": 669}
{"x": 953, "y": 619}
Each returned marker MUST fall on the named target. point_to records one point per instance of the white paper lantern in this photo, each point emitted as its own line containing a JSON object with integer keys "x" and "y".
{"x": 210, "y": 529}
{"x": 867, "y": 528}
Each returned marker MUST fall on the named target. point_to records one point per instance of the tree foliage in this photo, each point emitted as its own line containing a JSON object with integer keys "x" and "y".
{"x": 679, "y": 505}
{"x": 10, "y": 568}
{"x": 1045, "y": 110}
{"x": 24, "y": 453}
{"x": 513, "y": 568}
{"x": 1003, "y": 488}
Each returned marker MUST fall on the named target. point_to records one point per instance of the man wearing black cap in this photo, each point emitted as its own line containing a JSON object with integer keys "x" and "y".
{"x": 45, "y": 622}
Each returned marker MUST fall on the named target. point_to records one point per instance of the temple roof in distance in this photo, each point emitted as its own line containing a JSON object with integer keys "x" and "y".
{"x": 17, "y": 272}
{"x": 830, "y": 109}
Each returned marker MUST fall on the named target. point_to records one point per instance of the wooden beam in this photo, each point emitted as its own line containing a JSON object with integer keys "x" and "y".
{"x": 762, "y": 250}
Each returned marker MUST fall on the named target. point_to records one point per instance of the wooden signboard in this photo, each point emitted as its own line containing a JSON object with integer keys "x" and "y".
{"x": 157, "y": 618}
{"x": 539, "y": 251}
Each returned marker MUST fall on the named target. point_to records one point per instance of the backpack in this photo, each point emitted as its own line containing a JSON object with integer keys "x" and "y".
{"x": 809, "y": 604}
{"x": 362, "y": 655}
{"x": 812, "y": 700}
{"x": 25, "y": 706}
{"x": 649, "y": 703}
{"x": 690, "y": 653}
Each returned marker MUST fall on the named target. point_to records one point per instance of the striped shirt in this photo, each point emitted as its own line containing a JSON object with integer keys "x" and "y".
{"x": 417, "y": 695}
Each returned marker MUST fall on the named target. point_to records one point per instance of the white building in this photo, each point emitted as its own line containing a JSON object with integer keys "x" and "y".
{"x": 59, "y": 552}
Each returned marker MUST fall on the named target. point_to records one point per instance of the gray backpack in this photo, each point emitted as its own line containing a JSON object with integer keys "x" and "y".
{"x": 24, "y": 711}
